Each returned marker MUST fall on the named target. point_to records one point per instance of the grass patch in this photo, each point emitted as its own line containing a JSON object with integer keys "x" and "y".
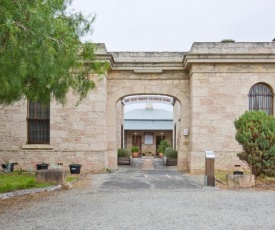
{"x": 13, "y": 181}
{"x": 221, "y": 175}
{"x": 266, "y": 180}
{"x": 71, "y": 178}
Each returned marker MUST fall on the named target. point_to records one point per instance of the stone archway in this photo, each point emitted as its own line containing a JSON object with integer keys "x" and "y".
{"x": 119, "y": 85}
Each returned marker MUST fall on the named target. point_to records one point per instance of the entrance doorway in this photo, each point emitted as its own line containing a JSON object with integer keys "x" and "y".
{"x": 136, "y": 141}
{"x": 158, "y": 140}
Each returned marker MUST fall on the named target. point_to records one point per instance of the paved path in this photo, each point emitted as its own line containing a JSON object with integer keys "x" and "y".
{"x": 150, "y": 173}
{"x": 138, "y": 197}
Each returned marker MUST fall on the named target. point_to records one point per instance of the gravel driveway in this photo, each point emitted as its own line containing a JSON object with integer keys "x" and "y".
{"x": 136, "y": 198}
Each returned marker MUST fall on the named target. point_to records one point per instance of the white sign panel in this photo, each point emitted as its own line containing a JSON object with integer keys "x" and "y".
{"x": 148, "y": 138}
{"x": 146, "y": 99}
{"x": 209, "y": 154}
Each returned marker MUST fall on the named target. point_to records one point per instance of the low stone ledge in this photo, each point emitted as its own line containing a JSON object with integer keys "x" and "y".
{"x": 240, "y": 181}
{"x": 37, "y": 147}
{"x": 56, "y": 176}
{"x": 28, "y": 191}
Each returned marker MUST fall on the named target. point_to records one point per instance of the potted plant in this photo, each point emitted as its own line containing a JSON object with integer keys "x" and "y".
{"x": 75, "y": 168}
{"x": 170, "y": 157}
{"x": 123, "y": 156}
{"x": 163, "y": 145}
{"x": 8, "y": 167}
{"x": 135, "y": 151}
{"x": 42, "y": 166}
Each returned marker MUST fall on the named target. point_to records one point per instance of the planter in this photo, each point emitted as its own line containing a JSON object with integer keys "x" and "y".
{"x": 161, "y": 155}
{"x": 42, "y": 166}
{"x": 75, "y": 168}
{"x": 170, "y": 161}
{"x": 124, "y": 160}
{"x": 135, "y": 154}
{"x": 8, "y": 167}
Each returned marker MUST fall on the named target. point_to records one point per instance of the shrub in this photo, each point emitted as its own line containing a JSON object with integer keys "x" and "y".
{"x": 123, "y": 152}
{"x": 163, "y": 145}
{"x": 256, "y": 133}
{"x": 170, "y": 153}
{"x": 135, "y": 149}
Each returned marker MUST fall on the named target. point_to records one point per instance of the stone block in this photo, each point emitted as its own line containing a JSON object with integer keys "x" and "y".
{"x": 67, "y": 186}
{"x": 56, "y": 176}
{"x": 240, "y": 181}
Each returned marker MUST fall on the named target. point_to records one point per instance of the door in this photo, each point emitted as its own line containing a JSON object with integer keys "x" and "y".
{"x": 136, "y": 141}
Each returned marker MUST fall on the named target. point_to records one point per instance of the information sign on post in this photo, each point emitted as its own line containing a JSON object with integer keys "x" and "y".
{"x": 209, "y": 168}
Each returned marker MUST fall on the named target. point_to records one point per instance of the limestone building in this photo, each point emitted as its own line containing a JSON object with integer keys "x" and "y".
{"x": 212, "y": 85}
{"x": 146, "y": 128}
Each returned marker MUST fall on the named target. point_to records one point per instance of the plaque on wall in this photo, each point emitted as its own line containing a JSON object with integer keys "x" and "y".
{"x": 148, "y": 138}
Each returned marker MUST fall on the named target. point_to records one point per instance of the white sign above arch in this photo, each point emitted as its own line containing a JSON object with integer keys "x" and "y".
{"x": 148, "y": 99}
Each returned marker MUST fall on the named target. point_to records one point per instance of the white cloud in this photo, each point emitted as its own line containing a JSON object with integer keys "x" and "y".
{"x": 173, "y": 25}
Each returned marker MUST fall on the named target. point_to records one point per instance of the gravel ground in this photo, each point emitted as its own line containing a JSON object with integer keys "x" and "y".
{"x": 143, "y": 199}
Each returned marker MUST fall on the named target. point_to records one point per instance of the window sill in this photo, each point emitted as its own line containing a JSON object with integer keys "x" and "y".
{"x": 37, "y": 146}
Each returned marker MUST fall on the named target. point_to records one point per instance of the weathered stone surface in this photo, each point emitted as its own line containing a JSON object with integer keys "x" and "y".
{"x": 67, "y": 186}
{"x": 56, "y": 176}
{"x": 240, "y": 181}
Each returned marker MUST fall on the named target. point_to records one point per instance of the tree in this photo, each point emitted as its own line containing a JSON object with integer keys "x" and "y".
{"x": 41, "y": 56}
{"x": 256, "y": 133}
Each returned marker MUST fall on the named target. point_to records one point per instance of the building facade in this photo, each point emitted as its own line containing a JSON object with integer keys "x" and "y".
{"x": 212, "y": 85}
{"x": 146, "y": 128}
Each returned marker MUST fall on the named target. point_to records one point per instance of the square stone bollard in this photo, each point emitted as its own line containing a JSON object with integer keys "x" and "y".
{"x": 240, "y": 181}
{"x": 56, "y": 176}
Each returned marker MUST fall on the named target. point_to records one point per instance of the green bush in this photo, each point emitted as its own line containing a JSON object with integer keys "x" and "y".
{"x": 135, "y": 149}
{"x": 163, "y": 145}
{"x": 170, "y": 153}
{"x": 256, "y": 133}
{"x": 123, "y": 152}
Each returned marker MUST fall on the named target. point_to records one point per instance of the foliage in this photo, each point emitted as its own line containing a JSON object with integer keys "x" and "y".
{"x": 163, "y": 145}
{"x": 14, "y": 181}
{"x": 256, "y": 133}
{"x": 135, "y": 149}
{"x": 123, "y": 152}
{"x": 41, "y": 56}
{"x": 170, "y": 153}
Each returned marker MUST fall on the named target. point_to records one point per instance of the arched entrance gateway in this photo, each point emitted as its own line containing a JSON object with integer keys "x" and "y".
{"x": 162, "y": 75}
{"x": 211, "y": 86}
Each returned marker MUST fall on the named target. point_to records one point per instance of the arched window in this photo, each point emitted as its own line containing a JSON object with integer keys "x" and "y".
{"x": 261, "y": 98}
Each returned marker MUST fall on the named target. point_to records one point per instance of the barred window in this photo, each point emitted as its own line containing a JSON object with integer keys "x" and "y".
{"x": 38, "y": 123}
{"x": 261, "y": 98}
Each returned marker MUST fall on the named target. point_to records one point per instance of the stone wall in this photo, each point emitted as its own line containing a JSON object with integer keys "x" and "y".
{"x": 219, "y": 95}
{"x": 176, "y": 121}
{"x": 77, "y": 133}
{"x": 126, "y": 83}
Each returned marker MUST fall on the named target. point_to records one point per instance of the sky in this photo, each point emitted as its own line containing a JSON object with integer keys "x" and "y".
{"x": 173, "y": 25}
